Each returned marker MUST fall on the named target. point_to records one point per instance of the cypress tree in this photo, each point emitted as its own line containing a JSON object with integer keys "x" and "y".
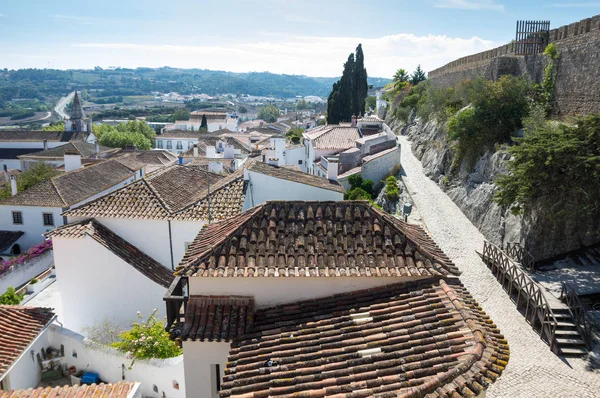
{"x": 204, "y": 123}
{"x": 361, "y": 86}
{"x": 333, "y": 105}
{"x": 346, "y": 90}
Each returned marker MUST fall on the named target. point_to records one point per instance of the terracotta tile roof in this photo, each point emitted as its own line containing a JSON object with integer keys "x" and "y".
{"x": 215, "y": 318}
{"x": 19, "y": 326}
{"x": 290, "y": 174}
{"x": 333, "y": 137}
{"x": 380, "y": 154}
{"x": 316, "y": 239}
{"x": 368, "y": 119}
{"x": 36, "y": 135}
{"x": 202, "y": 162}
{"x": 73, "y": 187}
{"x": 117, "y": 390}
{"x": 154, "y": 157}
{"x": 7, "y": 238}
{"x": 173, "y": 192}
{"x": 85, "y": 149}
{"x": 118, "y": 246}
{"x": 417, "y": 339}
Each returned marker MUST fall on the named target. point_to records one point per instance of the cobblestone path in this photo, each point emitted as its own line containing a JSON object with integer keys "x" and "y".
{"x": 533, "y": 370}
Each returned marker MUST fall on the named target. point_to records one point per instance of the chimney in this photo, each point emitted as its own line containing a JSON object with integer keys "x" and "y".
{"x": 211, "y": 152}
{"x": 332, "y": 169}
{"x": 45, "y": 145}
{"x": 72, "y": 160}
{"x": 195, "y": 150}
{"x": 6, "y": 173}
{"x": 215, "y": 167}
{"x": 97, "y": 149}
{"x": 354, "y": 119}
{"x": 13, "y": 185}
{"x": 273, "y": 161}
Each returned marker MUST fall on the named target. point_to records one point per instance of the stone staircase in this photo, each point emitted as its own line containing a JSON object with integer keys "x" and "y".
{"x": 568, "y": 339}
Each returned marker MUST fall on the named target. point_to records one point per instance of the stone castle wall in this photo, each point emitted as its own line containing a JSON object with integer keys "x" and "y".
{"x": 578, "y": 77}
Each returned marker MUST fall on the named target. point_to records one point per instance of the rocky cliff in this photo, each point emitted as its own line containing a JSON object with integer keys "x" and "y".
{"x": 473, "y": 190}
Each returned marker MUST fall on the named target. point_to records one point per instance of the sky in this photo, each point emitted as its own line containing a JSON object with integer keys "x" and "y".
{"x": 301, "y": 37}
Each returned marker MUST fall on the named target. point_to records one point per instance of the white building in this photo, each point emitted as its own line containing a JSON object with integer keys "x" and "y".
{"x": 22, "y": 142}
{"x": 267, "y": 182}
{"x": 23, "y": 334}
{"x": 96, "y": 271}
{"x": 323, "y": 296}
{"x": 55, "y": 157}
{"x": 39, "y": 209}
{"x": 281, "y": 153}
{"x": 216, "y": 120}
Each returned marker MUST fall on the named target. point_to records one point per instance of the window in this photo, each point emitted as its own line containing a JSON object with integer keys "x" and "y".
{"x": 48, "y": 219}
{"x": 300, "y": 161}
{"x": 179, "y": 145}
{"x": 17, "y": 217}
{"x": 159, "y": 144}
{"x": 169, "y": 145}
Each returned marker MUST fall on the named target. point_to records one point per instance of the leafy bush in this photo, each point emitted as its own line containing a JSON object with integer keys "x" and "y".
{"x": 10, "y": 297}
{"x": 294, "y": 135}
{"x": 133, "y": 132}
{"x": 34, "y": 175}
{"x": 391, "y": 188}
{"x": 555, "y": 162}
{"x": 357, "y": 182}
{"x": 496, "y": 113}
{"x": 269, "y": 113}
{"x": 33, "y": 281}
{"x": 147, "y": 339}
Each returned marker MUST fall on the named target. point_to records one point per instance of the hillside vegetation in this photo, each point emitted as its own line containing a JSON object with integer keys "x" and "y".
{"x": 45, "y": 83}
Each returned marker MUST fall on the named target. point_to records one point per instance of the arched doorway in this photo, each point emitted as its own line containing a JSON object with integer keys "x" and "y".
{"x": 15, "y": 250}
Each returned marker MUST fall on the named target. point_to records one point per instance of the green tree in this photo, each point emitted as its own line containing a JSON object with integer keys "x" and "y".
{"x": 294, "y": 135}
{"x": 555, "y": 164}
{"x": 204, "y": 122}
{"x": 370, "y": 103}
{"x": 269, "y": 113}
{"x": 417, "y": 76}
{"x": 37, "y": 173}
{"x": 132, "y": 133}
{"x": 55, "y": 126}
{"x": 147, "y": 339}
{"x": 243, "y": 110}
{"x": 10, "y": 297}
{"x": 181, "y": 114}
{"x": 359, "y": 83}
{"x": 401, "y": 75}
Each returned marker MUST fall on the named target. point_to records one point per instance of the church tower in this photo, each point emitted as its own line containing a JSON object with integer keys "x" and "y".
{"x": 77, "y": 121}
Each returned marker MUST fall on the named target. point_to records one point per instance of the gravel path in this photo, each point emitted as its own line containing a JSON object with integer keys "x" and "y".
{"x": 533, "y": 370}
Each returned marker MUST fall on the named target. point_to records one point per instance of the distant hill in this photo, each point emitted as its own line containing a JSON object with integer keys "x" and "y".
{"x": 43, "y": 84}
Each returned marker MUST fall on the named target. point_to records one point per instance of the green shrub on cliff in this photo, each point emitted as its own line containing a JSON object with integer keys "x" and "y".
{"x": 558, "y": 164}
{"x": 496, "y": 113}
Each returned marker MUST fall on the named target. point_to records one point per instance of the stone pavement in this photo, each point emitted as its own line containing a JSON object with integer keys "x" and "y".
{"x": 533, "y": 370}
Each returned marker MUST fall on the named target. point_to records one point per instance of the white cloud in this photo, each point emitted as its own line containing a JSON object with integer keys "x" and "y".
{"x": 301, "y": 55}
{"x": 470, "y": 5}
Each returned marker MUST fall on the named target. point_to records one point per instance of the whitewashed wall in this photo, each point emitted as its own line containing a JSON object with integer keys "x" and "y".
{"x": 199, "y": 358}
{"x": 292, "y": 156}
{"x": 380, "y": 167}
{"x": 273, "y": 291}
{"x": 263, "y": 188}
{"x": 96, "y": 284}
{"x": 108, "y": 363}
{"x": 33, "y": 222}
{"x": 183, "y": 232}
{"x": 21, "y": 273}
{"x": 26, "y": 372}
{"x": 10, "y": 164}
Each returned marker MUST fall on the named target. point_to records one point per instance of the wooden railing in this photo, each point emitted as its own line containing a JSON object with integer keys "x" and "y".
{"x": 527, "y": 295}
{"x": 520, "y": 255}
{"x": 176, "y": 300}
{"x": 578, "y": 312}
